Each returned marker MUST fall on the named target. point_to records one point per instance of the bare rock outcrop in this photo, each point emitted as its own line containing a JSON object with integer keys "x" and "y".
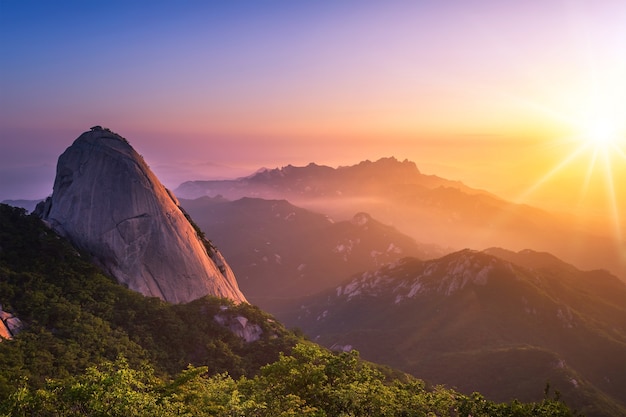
{"x": 107, "y": 202}
{"x": 9, "y": 325}
{"x": 240, "y": 326}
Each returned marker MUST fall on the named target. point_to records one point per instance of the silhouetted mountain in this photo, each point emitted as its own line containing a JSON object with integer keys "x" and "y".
{"x": 107, "y": 202}
{"x": 28, "y": 205}
{"x": 279, "y": 251}
{"x": 501, "y": 325}
{"x": 319, "y": 181}
{"x": 427, "y": 208}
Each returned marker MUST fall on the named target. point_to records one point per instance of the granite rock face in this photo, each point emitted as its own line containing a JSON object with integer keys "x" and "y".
{"x": 9, "y": 325}
{"x": 107, "y": 201}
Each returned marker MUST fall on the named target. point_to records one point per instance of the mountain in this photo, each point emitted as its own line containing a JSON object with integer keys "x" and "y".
{"x": 499, "y": 322}
{"x": 315, "y": 181}
{"x": 279, "y": 251}
{"x": 29, "y": 205}
{"x": 71, "y": 316}
{"x": 89, "y": 346}
{"x": 426, "y": 207}
{"x": 108, "y": 203}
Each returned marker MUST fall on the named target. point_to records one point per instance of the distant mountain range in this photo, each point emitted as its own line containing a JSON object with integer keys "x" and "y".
{"x": 428, "y": 208}
{"x": 29, "y": 205}
{"x": 500, "y": 322}
{"x": 279, "y": 251}
{"x": 322, "y": 181}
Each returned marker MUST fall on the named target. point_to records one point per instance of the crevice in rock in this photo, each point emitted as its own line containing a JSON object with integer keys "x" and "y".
{"x": 140, "y": 216}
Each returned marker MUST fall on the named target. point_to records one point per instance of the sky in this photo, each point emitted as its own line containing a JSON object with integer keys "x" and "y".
{"x": 515, "y": 97}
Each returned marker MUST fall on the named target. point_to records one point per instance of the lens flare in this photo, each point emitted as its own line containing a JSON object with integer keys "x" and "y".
{"x": 594, "y": 153}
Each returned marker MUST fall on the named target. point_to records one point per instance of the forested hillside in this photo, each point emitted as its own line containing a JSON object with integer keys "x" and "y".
{"x": 76, "y": 317}
{"x": 91, "y": 347}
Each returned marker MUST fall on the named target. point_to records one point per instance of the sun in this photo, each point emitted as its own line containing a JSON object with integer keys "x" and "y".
{"x": 593, "y": 160}
{"x": 601, "y": 133}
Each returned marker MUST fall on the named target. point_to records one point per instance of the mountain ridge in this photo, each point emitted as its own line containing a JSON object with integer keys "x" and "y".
{"x": 462, "y": 319}
{"x": 280, "y": 251}
{"x": 426, "y": 207}
{"x": 320, "y": 179}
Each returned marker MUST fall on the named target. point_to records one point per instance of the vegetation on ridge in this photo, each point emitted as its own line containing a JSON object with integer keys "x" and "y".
{"x": 92, "y": 347}
{"x": 76, "y": 317}
{"x": 309, "y": 382}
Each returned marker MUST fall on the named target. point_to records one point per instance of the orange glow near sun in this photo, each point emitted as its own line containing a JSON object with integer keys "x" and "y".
{"x": 593, "y": 159}
{"x": 602, "y": 128}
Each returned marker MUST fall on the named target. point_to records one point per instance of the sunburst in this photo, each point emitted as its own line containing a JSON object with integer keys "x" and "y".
{"x": 598, "y": 146}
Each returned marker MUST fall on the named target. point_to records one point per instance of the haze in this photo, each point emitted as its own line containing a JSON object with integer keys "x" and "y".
{"x": 495, "y": 94}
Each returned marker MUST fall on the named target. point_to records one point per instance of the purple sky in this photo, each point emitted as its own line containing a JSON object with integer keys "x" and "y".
{"x": 488, "y": 92}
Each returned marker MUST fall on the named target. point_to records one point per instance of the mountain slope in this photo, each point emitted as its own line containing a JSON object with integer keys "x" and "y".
{"x": 91, "y": 347}
{"x": 279, "y": 251}
{"x": 74, "y": 317}
{"x": 478, "y": 322}
{"x": 427, "y": 208}
{"x": 107, "y": 201}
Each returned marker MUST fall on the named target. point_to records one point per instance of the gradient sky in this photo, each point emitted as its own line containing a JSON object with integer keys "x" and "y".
{"x": 486, "y": 92}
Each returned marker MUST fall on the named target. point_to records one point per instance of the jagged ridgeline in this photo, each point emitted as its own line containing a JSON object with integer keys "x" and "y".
{"x": 89, "y": 346}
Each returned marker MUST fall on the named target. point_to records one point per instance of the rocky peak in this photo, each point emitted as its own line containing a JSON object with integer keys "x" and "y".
{"x": 107, "y": 202}
{"x": 361, "y": 219}
{"x": 391, "y": 166}
{"x": 409, "y": 278}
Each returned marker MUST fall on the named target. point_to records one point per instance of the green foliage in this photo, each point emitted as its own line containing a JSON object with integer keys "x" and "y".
{"x": 329, "y": 384}
{"x": 93, "y": 348}
{"x": 310, "y": 382}
{"x": 113, "y": 389}
{"x": 76, "y": 317}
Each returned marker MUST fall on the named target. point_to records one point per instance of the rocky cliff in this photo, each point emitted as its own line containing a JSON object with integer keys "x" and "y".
{"x": 107, "y": 201}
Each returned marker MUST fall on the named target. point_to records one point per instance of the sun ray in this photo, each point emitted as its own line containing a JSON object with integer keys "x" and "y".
{"x": 619, "y": 150}
{"x": 543, "y": 180}
{"x": 588, "y": 174}
{"x": 614, "y": 205}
